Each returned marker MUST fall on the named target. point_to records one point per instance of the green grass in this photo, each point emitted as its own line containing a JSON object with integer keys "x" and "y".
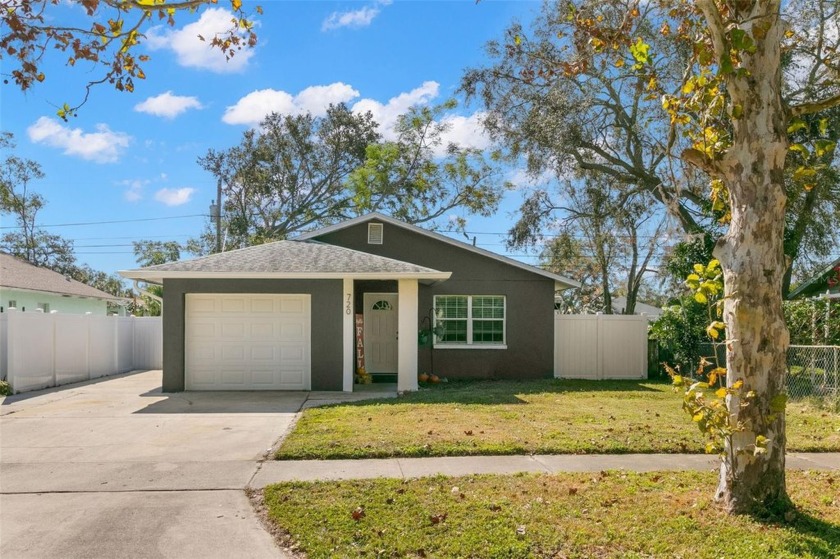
{"x": 604, "y": 515}
{"x": 523, "y": 417}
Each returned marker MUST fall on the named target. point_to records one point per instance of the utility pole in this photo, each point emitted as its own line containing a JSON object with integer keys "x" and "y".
{"x": 216, "y": 215}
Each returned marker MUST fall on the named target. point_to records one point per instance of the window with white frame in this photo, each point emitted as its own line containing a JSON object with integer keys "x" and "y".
{"x": 471, "y": 320}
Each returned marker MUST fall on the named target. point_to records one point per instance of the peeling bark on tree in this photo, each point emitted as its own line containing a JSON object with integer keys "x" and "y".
{"x": 752, "y": 258}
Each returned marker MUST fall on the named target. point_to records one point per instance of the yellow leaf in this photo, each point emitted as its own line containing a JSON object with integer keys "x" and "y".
{"x": 720, "y": 393}
{"x": 737, "y": 384}
{"x": 619, "y": 63}
{"x": 697, "y": 416}
{"x": 236, "y": 5}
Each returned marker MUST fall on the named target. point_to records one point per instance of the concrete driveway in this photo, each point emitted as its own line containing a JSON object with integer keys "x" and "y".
{"x": 115, "y": 468}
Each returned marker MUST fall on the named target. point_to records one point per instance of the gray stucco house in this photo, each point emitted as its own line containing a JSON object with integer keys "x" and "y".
{"x": 298, "y": 314}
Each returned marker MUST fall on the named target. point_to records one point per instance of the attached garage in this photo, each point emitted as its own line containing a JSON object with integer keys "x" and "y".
{"x": 247, "y": 341}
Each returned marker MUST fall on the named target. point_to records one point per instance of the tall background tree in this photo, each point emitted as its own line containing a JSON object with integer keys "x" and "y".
{"x": 561, "y": 97}
{"x": 26, "y": 239}
{"x": 294, "y": 173}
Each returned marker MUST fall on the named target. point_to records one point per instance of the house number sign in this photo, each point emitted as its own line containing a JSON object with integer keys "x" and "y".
{"x": 348, "y": 307}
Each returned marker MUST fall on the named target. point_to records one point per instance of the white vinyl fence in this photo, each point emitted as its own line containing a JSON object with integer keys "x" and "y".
{"x": 600, "y": 346}
{"x": 40, "y": 350}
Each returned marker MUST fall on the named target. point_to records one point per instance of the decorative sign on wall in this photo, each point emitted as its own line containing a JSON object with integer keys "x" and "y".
{"x": 360, "y": 341}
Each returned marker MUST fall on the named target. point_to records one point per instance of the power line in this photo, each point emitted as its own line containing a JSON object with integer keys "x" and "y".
{"x": 110, "y": 222}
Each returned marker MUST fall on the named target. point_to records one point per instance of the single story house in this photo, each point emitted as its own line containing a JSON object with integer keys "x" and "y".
{"x": 303, "y": 314}
{"x": 29, "y": 288}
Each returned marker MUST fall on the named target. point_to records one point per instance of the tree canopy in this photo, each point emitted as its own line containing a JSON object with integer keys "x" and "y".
{"x": 297, "y": 172}
{"x": 592, "y": 87}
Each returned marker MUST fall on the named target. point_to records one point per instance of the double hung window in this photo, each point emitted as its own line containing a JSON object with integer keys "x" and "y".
{"x": 470, "y": 320}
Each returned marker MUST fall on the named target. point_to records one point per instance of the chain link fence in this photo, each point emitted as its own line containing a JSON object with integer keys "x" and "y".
{"x": 813, "y": 371}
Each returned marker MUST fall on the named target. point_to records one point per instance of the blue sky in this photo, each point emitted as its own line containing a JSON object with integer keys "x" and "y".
{"x": 129, "y": 157}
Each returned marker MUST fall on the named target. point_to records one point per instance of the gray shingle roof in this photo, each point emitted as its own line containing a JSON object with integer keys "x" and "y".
{"x": 289, "y": 257}
{"x": 19, "y": 274}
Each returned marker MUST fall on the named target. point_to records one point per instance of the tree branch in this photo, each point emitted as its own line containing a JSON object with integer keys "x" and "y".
{"x": 700, "y": 160}
{"x": 814, "y": 107}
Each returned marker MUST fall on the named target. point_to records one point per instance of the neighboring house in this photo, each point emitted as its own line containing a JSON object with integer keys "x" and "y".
{"x": 620, "y": 303}
{"x": 825, "y": 283}
{"x": 30, "y": 288}
{"x": 283, "y": 315}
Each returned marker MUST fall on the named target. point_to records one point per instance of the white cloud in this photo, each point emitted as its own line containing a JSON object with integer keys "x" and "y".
{"x": 192, "y": 52}
{"x": 465, "y": 132}
{"x": 102, "y": 146}
{"x": 387, "y": 114}
{"x": 134, "y": 189}
{"x": 354, "y": 19}
{"x": 255, "y": 106}
{"x": 174, "y": 196}
{"x": 167, "y": 105}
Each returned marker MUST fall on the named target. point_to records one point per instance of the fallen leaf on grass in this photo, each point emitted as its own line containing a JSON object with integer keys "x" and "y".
{"x": 358, "y": 514}
{"x": 468, "y": 433}
{"x": 438, "y": 518}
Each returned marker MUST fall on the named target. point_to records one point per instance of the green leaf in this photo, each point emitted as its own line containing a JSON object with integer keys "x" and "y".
{"x": 804, "y": 173}
{"x": 796, "y": 125}
{"x": 640, "y": 51}
{"x": 823, "y": 126}
{"x": 741, "y": 40}
{"x": 800, "y": 148}
{"x": 778, "y": 403}
{"x": 726, "y": 66}
{"x": 824, "y": 147}
{"x": 700, "y": 298}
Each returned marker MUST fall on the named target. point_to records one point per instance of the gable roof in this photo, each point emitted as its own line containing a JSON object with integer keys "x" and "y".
{"x": 817, "y": 284}
{"x": 16, "y": 273}
{"x": 287, "y": 260}
{"x": 376, "y": 216}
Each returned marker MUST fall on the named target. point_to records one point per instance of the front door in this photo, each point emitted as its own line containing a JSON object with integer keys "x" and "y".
{"x": 380, "y": 332}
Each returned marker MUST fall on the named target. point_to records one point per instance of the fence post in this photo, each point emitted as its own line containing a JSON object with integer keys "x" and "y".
{"x": 599, "y": 344}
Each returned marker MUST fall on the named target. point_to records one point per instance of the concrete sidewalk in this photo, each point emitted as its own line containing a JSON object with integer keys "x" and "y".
{"x": 404, "y": 468}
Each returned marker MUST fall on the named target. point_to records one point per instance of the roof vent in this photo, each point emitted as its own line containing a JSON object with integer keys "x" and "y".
{"x": 375, "y": 232}
{"x": 67, "y": 277}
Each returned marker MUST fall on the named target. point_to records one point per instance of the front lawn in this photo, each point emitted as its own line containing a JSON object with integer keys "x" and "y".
{"x": 611, "y": 514}
{"x": 525, "y": 417}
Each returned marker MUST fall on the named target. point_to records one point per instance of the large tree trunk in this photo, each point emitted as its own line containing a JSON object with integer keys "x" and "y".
{"x": 752, "y": 258}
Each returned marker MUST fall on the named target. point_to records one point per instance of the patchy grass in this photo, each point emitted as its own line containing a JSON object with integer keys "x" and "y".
{"x": 610, "y": 514}
{"x": 524, "y": 417}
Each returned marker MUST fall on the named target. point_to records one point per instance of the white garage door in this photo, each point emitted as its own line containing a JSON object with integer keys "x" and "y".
{"x": 247, "y": 342}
